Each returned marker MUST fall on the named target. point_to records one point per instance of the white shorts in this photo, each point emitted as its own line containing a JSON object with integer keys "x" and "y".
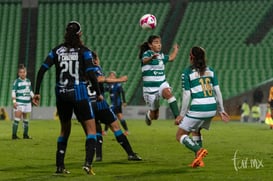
{"x": 24, "y": 108}
{"x": 153, "y": 100}
{"x": 163, "y": 86}
{"x": 194, "y": 125}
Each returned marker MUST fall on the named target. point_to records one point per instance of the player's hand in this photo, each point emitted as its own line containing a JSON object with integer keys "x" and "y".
{"x": 123, "y": 78}
{"x": 36, "y": 99}
{"x": 178, "y": 120}
{"x": 15, "y": 105}
{"x": 224, "y": 116}
{"x": 154, "y": 56}
{"x": 175, "y": 46}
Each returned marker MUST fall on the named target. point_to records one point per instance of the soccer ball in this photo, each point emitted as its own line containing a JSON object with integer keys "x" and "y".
{"x": 147, "y": 21}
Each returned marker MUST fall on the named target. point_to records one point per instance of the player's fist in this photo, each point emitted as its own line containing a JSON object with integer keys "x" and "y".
{"x": 123, "y": 78}
{"x": 36, "y": 99}
{"x": 178, "y": 120}
{"x": 224, "y": 116}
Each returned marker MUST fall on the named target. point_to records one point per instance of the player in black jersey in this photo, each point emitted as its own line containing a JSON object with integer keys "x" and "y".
{"x": 117, "y": 96}
{"x": 104, "y": 114}
{"x": 73, "y": 63}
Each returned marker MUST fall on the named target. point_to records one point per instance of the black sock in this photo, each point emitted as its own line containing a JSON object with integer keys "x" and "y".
{"x": 99, "y": 146}
{"x": 90, "y": 149}
{"x": 123, "y": 141}
{"x": 60, "y": 153}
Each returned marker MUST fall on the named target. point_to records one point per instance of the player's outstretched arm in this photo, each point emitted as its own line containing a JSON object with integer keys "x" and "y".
{"x": 174, "y": 52}
{"x": 112, "y": 80}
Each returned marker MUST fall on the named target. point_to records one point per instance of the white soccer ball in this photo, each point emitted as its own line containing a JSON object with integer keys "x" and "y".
{"x": 147, "y": 21}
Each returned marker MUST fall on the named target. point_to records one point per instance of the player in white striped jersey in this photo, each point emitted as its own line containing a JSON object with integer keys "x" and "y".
{"x": 155, "y": 85}
{"x": 21, "y": 97}
{"x": 201, "y": 94}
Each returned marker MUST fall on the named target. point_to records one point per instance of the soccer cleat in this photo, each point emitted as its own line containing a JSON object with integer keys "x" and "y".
{"x": 26, "y": 137}
{"x": 201, "y": 163}
{"x": 88, "y": 170}
{"x": 134, "y": 157}
{"x": 15, "y": 137}
{"x": 61, "y": 170}
{"x": 199, "y": 157}
{"x": 147, "y": 120}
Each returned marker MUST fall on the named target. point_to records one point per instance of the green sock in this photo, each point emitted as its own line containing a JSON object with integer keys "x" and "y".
{"x": 189, "y": 143}
{"x": 198, "y": 140}
{"x": 15, "y": 127}
{"x": 200, "y": 143}
{"x": 25, "y": 126}
{"x": 173, "y": 105}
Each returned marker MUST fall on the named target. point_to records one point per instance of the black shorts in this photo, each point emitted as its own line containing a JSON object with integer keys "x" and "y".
{"x": 103, "y": 113}
{"x": 117, "y": 109}
{"x": 66, "y": 105}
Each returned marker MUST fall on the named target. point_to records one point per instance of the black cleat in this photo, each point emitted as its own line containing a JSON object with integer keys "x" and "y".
{"x": 88, "y": 170}
{"x": 61, "y": 170}
{"x": 134, "y": 157}
{"x": 147, "y": 120}
{"x": 27, "y": 137}
{"x": 15, "y": 137}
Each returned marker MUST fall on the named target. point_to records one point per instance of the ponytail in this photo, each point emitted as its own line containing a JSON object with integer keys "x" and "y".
{"x": 143, "y": 48}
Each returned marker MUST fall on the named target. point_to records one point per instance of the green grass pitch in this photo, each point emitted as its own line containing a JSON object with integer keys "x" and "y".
{"x": 237, "y": 151}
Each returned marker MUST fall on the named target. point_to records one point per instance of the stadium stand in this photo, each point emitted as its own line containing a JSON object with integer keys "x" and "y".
{"x": 111, "y": 28}
{"x": 10, "y": 17}
{"x": 221, "y": 27}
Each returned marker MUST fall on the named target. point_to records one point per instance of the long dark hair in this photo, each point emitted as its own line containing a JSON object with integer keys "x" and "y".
{"x": 94, "y": 54}
{"x": 72, "y": 35}
{"x": 145, "y": 46}
{"x": 199, "y": 59}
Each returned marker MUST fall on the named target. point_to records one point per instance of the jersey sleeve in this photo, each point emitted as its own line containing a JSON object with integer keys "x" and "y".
{"x": 214, "y": 78}
{"x": 14, "y": 88}
{"x": 146, "y": 54}
{"x": 219, "y": 98}
{"x": 87, "y": 58}
{"x": 185, "y": 80}
{"x": 49, "y": 61}
{"x": 166, "y": 58}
